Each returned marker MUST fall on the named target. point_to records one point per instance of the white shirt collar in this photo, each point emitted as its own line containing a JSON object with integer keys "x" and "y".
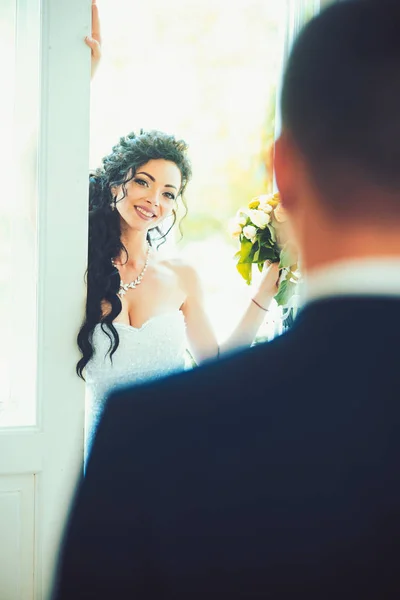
{"x": 360, "y": 277}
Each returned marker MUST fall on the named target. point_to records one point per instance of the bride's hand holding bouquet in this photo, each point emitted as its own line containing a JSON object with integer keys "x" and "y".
{"x": 264, "y": 236}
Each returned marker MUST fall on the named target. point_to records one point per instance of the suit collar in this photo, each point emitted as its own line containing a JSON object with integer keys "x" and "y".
{"x": 372, "y": 277}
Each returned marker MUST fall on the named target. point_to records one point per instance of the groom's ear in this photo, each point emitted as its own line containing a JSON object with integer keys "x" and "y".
{"x": 282, "y": 165}
{"x": 286, "y": 166}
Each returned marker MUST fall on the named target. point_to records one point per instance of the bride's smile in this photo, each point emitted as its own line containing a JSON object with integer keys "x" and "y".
{"x": 144, "y": 213}
{"x": 149, "y": 194}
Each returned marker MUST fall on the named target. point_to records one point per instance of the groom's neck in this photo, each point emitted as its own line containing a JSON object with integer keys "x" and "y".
{"x": 328, "y": 243}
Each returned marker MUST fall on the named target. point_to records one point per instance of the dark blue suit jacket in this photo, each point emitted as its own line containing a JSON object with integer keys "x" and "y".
{"x": 274, "y": 473}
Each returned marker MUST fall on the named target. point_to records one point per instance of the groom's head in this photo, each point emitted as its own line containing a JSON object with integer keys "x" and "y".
{"x": 338, "y": 159}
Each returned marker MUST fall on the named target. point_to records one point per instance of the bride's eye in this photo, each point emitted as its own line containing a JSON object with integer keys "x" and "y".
{"x": 141, "y": 182}
{"x": 170, "y": 196}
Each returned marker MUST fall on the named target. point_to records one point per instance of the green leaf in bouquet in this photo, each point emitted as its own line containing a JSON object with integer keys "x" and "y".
{"x": 272, "y": 232}
{"x": 265, "y": 237}
{"x": 281, "y": 294}
{"x": 260, "y": 266}
{"x": 250, "y": 257}
{"x": 245, "y": 250}
{"x": 287, "y": 258}
{"x": 257, "y": 250}
{"x": 245, "y": 271}
{"x": 285, "y": 292}
{"x": 266, "y": 254}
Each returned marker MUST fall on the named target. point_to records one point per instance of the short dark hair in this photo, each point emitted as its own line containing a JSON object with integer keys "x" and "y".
{"x": 341, "y": 95}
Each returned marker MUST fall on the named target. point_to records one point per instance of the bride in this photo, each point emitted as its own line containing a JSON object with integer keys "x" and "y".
{"x": 142, "y": 310}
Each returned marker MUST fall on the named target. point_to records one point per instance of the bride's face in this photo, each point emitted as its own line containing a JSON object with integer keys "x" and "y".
{"x": 150, "y": 196}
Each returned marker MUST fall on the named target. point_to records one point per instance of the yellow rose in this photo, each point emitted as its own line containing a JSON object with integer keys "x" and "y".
{"x": 265, "y": 207}
{"x": 274, "y": 200}
{"x": 254, "y": 203}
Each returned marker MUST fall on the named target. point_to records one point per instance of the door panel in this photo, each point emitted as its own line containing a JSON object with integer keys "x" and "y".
{"x": 43, "y": 248}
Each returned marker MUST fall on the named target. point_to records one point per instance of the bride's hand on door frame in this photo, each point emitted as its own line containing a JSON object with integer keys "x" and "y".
{"x": 94, "y": 41}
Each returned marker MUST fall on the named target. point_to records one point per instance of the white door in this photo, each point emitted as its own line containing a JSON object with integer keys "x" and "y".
{"x": 44, "y": 124}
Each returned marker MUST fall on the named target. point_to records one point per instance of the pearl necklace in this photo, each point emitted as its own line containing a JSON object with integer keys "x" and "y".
{"x": 124, "y": 287}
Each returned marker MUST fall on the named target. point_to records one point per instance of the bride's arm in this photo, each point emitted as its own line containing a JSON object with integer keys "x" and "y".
{"x": 94, "y": 41}
{"x": 201, "y": 337}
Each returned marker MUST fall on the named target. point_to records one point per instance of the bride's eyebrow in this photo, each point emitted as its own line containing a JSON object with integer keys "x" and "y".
{"x": 153, "y": 179}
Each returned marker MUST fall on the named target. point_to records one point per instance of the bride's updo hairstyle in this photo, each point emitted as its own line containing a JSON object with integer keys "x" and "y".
{"x": 103, "y": 279}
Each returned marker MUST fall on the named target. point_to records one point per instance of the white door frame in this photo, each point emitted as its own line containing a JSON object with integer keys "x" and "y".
{"x": 297, "y": 12}
{"x": 295, "y": 19}
{"x": 63, "y": 183}
{"x": 50, "y": 454}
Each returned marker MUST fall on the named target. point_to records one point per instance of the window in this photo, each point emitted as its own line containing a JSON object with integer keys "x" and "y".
{"x": 19, "y": 42}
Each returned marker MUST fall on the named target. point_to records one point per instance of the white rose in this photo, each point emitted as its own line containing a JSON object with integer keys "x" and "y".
{"x": 250, "y": 232}
{"x": 235, "y": 228}
{"x": 264, "y": 206}
{"x": 241, "y": 218}
{"x": 259, "y": 218}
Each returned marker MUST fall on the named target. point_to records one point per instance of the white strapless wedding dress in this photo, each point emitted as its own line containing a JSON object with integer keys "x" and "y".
{"x": 155, "y": 350}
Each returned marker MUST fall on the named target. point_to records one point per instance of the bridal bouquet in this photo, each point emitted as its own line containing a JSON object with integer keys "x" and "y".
{"x": 262, "y": 232}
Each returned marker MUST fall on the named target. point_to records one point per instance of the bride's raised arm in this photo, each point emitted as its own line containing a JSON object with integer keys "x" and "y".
{"x": 202, "y": 341}
{"x": 201, "y": 337}
{"x": 94, "y": 41}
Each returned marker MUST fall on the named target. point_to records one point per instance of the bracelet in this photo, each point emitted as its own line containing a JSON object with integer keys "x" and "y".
{"x": 259, "y": 305}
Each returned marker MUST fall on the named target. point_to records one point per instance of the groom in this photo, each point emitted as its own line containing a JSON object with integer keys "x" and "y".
{"x": 275, "y": 473}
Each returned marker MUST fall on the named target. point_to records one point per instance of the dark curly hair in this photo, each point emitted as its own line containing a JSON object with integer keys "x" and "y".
{"x": 103, "y": 279}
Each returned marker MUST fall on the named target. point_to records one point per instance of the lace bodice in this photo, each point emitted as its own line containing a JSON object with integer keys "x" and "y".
{"x": 152, "y": 351}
